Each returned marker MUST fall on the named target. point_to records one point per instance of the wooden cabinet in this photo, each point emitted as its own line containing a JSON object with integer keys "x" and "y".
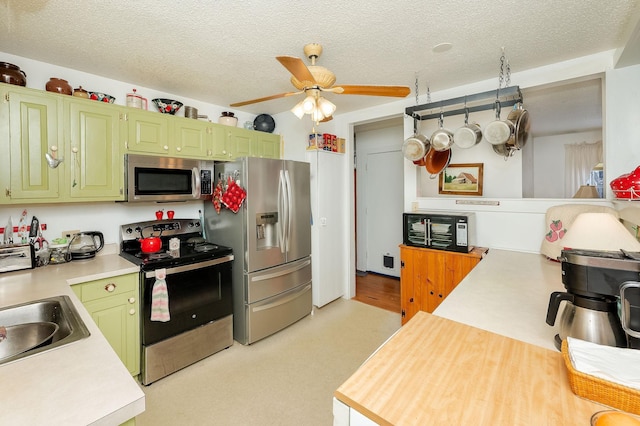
{"x": 94, "y": 165}
{"x": 113, "y": 304}
{"x": 91, "y": 139}
{"x": 428, "y": 276}
{"x": 147, "y": 132}
{"x": 35, "y": 129}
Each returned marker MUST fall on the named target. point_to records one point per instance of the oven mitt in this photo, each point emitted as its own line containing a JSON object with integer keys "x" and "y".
{"x": 160, "y": 298}
{"x": 233, "y": 196}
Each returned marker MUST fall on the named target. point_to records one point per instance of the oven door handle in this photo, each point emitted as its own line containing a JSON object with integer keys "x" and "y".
{"x": 191, "y": 267}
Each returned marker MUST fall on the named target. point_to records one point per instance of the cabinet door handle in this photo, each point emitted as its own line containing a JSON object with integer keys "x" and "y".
{"x": 178, "y": 149}
{"x": 431, "y": 293}
{"x": 132, "y": 311}
{"x": 411, "y": 300}
{"x": 110, "y": 287}
{"x": 166, "y": 147}
{"x": 132, "y": 300}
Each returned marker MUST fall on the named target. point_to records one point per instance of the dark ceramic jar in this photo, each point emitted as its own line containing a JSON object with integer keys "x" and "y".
{"x": 12, "y": 74}
{"x": 58, "y": 85}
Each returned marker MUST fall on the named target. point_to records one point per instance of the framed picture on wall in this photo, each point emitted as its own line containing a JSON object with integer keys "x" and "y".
{"x": 461, "y": 179}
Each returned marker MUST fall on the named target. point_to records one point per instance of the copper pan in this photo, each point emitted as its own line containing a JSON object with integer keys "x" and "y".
{"x": 436, "y": 161}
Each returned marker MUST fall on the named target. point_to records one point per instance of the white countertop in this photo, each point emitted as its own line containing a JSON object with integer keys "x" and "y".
{"x": 507, "y": 293}
{"x": 80, "y": 383}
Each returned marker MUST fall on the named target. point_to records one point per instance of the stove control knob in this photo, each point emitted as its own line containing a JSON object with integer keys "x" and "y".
{"x": 138, "y": 230}
{"x": 128, "y": 230}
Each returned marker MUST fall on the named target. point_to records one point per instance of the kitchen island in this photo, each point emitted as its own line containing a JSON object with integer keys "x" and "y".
{"x": 83, "y": 382}
{"x": 485, "y": 357}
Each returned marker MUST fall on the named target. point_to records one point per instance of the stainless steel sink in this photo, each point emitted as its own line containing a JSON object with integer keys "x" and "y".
{"x": 58, "y": 310}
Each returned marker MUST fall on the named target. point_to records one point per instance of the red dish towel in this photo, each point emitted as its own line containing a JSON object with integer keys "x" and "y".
{"x": 160, "y": 298}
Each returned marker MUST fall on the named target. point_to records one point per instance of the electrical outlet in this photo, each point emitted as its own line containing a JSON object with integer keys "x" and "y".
{"x": 69, "y": 234}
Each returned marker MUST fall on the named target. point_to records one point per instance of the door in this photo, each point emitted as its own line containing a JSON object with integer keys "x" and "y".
{"x": 95, "y": 168}
{"x": 385, "y": 176}
{"x": 148, "y": 132}
{"x": 264, "y": 214}
{"x": 298, "y": 179}
{"x": 35, "y": 130}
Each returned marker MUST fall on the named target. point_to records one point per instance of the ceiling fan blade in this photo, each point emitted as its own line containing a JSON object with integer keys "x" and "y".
{"x": 393, "y": 91}
{"x": 297, "y": 68}
{"x": 267, "y": 98}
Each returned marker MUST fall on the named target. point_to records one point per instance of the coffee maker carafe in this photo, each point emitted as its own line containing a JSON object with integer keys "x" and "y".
{"x": 593, "y": 280}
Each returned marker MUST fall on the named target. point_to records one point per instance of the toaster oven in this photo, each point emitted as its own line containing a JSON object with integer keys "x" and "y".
{"x": 14, "y": 257}
{"x": 453, "y": 231}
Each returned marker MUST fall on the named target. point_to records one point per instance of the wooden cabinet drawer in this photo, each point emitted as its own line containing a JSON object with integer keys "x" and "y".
{"x": 107, "y": 287}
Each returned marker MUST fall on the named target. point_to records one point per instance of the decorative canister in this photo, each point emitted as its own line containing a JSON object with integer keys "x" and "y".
{"x": 134, "y": 100}
{"x": 58, "y": 85}
{"x": 81, "y": 93}
{"x": 228, "y": 119}
{"x": 12, "y": 74}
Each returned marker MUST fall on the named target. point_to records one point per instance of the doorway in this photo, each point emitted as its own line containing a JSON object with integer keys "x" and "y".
{"x": 378, "y": 192}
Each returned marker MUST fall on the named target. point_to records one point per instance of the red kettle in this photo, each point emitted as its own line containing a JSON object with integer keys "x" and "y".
{"x": 150, "y": 244}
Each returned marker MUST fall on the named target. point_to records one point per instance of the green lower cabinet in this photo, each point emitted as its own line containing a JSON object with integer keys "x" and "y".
{"x": 113, "y": 304}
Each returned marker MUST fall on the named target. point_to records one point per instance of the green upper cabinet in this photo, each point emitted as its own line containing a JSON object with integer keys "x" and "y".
{"x": 268, "y": 145}
{"x": 147, "y": 132}
{"x": 95, "y": 168}
{"x": 35, "y": 129}
{"x": 241, "y": 143}
{"x": 191, "y": 138}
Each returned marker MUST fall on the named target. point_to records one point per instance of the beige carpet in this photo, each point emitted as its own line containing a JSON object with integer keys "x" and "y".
{"x": 286, "y": 379}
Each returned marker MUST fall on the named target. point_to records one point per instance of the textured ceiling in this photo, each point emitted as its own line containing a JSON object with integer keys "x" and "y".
{"x": 222, "y": 52}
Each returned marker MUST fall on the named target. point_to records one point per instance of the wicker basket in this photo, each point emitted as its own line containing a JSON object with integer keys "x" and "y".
{"x": 599, "y": 390}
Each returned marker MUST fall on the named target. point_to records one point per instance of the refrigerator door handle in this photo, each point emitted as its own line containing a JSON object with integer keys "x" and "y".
{"x": 281, "y": 212}
{"x": 289, "y": 208}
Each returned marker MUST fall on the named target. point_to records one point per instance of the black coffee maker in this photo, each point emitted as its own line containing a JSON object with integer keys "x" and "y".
{"x": 602, "y": 298}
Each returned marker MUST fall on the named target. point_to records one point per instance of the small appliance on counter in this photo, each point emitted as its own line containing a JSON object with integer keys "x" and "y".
{"x": 14, "y": 257}
{"x": 602, "y": 298}
{"x": 85, "y": 245}
{"x": 450, "y": 231}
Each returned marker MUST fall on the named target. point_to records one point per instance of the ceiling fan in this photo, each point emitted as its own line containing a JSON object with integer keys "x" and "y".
{"x": 314, "y": 79}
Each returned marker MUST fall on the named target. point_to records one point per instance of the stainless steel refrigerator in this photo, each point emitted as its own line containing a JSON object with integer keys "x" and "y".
{"x": 271, "y": 240}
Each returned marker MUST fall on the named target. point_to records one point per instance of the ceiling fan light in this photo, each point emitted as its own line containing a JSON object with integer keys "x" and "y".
{"x": 317, "y": 115}
{"x": 309, "y": 104}
{"x": 326, "y": 106}
{"x": 298, "y": 110}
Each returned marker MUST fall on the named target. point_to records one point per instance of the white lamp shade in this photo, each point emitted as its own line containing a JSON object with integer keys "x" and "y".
{"x": 599, "y": 231}
{"x": 309, "y": 104}
{"x": 298, "y": 110}
{"x": 326, "y": 107}
{"x": 317, "y": 115}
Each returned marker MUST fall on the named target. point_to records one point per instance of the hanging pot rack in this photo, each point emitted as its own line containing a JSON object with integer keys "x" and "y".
{"x": 507, "y": 97}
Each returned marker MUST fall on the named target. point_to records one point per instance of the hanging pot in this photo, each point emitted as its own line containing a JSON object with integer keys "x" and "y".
{"x": 520, "y": 119}
{"x": 468, "y": 135}
{"x": 436, "y": 161}
{"x": 415, "y": 147}
{"x": 504, "y": 150}
{"x": 499, "y": 132}
{"x": 441, "y": 139}
{"x": 150, "y": 244}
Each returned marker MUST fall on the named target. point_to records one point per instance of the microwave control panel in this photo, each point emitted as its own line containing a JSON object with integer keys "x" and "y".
{"x": 206, "y": 182}
{"x": 461, "y": 234}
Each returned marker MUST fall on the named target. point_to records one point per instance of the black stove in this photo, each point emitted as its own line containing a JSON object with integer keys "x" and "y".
{"x": 193, "y": 248}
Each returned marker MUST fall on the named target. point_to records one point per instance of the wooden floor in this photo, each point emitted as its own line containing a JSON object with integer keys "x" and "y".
{"x": 378, "y": 290}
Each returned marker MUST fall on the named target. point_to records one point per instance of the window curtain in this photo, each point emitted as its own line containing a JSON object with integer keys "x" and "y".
{"x": 579, "y": 160}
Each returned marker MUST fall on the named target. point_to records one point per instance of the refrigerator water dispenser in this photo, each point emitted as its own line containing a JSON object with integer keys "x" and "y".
{"x": 266, "y": 232}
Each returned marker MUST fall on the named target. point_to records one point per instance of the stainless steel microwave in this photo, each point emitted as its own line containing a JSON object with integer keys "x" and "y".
{"x": 167, "y": 179}
{"x": 453, "y": 231}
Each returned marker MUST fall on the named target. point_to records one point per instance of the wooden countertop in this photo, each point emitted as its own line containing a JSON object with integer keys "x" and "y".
{"x": 437, "y": 371}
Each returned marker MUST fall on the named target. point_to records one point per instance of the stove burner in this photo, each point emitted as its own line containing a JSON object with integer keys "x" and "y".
{"x": 204, "y": 247}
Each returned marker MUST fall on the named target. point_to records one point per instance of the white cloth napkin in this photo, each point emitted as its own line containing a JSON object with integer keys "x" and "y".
{"x": 617, "y": 365}
{"x": 160, "y": 298}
